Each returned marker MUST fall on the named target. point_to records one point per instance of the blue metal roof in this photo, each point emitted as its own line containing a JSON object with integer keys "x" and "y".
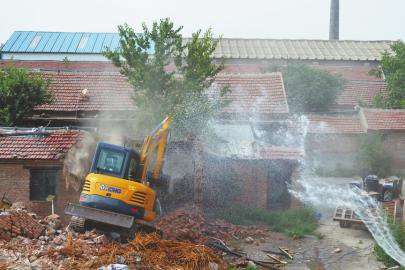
{"x": 60, "y": 42}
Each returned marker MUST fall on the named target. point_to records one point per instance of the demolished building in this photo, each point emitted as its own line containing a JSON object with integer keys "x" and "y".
{"x": 90, "y": 93}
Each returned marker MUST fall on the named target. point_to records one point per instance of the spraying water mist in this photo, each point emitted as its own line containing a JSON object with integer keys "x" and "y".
{"x": 321, "y": 195}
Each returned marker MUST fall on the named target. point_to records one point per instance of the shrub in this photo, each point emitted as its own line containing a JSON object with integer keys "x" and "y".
{"x": 292, "y": 222}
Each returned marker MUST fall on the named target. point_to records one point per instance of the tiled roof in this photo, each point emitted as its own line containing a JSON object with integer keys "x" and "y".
{"x": 332, "y": 124}
{"x": 106, "y": 92}
{"x": 360, "y": 93}
{"x": 253, "y": 93}
{"x": 380, "y": 119}
{"x": 301, "y": 49}
{"x": 50, "y": 146}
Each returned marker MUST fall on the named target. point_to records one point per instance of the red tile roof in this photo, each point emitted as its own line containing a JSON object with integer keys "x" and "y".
{"x": 250, "y": 93}
{"x": 359, "y": 93}
{"x": 50, "y": 146}
{"x": 380, "y": 119}
{"x": 327, "y": 124}
{"x": 253, "y": 93}
{"x": 106, "y": 92}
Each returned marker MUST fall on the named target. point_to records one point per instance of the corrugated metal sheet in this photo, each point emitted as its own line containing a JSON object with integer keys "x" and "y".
{"x": 60, "y": 42}
{"x": 95, "y": 43}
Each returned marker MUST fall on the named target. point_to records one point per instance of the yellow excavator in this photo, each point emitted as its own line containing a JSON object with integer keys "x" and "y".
{"x": 120, "y": 190}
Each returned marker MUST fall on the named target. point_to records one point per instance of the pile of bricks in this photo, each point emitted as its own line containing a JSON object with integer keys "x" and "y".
{"x": 19, "y": 223}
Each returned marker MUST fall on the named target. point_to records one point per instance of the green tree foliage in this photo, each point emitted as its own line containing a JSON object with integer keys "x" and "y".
{"x": 309, "y": 89}
{"x": 20, "y": 92}
{"x": 393, "y": 69}
{"x": 372, "y": 157}
{"x": 174, "y": 80}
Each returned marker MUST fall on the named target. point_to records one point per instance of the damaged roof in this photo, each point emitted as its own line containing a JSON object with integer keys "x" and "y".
{"x": 41, "y": 146}
{"x": 253, "y": 93}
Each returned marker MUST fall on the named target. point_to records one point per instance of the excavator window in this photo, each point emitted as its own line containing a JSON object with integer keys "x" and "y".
{"x": 110, "y": 161}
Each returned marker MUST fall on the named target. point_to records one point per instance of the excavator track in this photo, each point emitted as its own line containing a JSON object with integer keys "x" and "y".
{"x": 77, "y": 224}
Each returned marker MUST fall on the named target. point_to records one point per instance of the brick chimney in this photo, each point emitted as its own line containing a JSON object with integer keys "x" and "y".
{"x": 334, "y": 20}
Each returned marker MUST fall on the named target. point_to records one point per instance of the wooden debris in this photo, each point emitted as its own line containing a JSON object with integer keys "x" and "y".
{"x": 286, "y": 252}
{"x": 276, "y": 259}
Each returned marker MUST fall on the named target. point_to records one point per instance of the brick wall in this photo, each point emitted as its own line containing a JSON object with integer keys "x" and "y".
{"x": 15, "y": 182}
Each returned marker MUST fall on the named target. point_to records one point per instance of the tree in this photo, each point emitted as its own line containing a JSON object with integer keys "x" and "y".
{"x": 393, "y": 69}
{"x": 20, "y": 92}
{"x": 309, "y": 89}
{"x": 174, "y": 79}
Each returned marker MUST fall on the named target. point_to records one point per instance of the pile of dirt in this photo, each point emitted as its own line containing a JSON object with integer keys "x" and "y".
{"x": 189, "y": 224}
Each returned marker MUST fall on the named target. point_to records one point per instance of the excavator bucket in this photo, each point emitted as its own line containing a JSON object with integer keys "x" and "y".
{"x": 98, "y": 215}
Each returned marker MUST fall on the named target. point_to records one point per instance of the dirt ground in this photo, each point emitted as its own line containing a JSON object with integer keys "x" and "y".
{"x": 337, "y": 248}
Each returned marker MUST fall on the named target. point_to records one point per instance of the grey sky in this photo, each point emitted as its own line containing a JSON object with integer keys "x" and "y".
{"x": 306, "y": 19}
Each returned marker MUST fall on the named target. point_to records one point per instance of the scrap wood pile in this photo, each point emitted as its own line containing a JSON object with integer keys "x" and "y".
{"x": 189, "y": 224}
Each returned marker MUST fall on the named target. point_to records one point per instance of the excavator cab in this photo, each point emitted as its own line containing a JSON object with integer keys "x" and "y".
{"x": 119, "y": 189}
{"x": 116, "y": 161}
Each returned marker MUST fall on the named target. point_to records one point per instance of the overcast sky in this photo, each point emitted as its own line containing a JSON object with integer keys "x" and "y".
{"x": 306, "y": 19}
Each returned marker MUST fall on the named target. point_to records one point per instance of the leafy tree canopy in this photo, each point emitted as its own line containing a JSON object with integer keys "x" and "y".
{"x": 20, "y": 92}
{"x": 174, "y": 79}
{"x": 393, "y": 69}
{"x": 309, "y": 89}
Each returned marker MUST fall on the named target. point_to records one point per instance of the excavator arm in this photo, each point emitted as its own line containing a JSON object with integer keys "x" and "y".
{"x": 153, "y": 150}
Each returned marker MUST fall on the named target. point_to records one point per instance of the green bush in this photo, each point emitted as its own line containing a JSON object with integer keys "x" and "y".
{"x": 20, "y": 92}
{"x": 398, "y": 231}
{"x": 292, "y": 222}
{"x": 372, "y": 157}
{"x": 309, "y": 89}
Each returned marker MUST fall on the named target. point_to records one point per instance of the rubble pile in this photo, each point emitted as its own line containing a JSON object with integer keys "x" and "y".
{"x": 28, "y": 242}
{"x": 189, "y": 224}
{"x": 19, "y": 222}
{"x": 92, "y": 250}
